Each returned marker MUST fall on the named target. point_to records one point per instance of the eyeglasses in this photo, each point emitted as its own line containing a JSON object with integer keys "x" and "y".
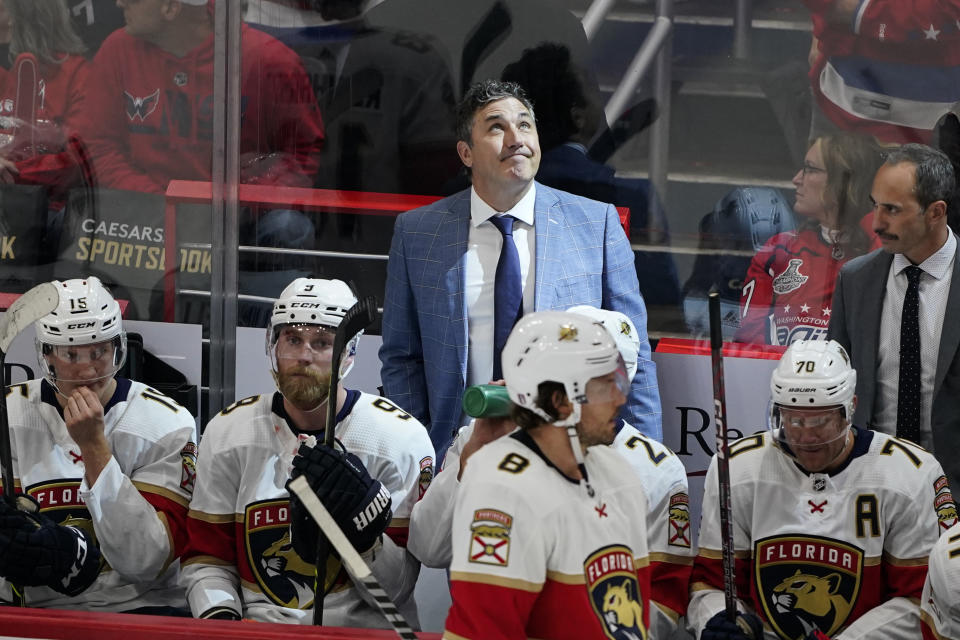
{"x": 808, "y": 168}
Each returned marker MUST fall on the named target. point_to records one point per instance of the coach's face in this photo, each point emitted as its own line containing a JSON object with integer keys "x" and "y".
{"x": 899, "y": 220}
{"x": 504, "y": 153}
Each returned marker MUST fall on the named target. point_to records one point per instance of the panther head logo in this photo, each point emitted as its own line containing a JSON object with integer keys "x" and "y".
{"x": 279, "y": 560}
{"x": 814, "y": 600}
{"x": 621, "y": 611}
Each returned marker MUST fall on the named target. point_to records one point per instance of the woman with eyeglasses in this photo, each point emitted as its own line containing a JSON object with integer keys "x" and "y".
{"x": 787, "y": 292}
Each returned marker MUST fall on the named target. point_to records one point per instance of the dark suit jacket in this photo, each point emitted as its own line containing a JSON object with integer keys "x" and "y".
{"x": 582, "y": 257}
{"x": 855, "y": 323}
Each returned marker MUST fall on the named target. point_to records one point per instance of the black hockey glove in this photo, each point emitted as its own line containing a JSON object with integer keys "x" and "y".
{"x": 359, "y": 504}
{"x": 37, "y": 552}
{"x": 747, "y": 627}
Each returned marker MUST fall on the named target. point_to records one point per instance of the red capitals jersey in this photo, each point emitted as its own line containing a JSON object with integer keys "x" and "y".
{"x": 788, "y": 290}
{"x": 150, "y": 114}
{"x": 892, "y": 70}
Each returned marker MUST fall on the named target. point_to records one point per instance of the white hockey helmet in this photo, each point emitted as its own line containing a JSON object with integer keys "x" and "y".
{"x": 311, "y": 301}
{"x": 558, "y": 346}
{"x": 622, "y": 329}
{"x": 814, "y": 374}
{"x": 85, "y": 314}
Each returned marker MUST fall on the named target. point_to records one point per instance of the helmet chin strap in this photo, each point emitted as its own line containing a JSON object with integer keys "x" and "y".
{"x": 571, "y": 422}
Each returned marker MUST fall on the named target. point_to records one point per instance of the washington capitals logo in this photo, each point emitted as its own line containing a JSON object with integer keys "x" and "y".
{"x": 141, "y": 107}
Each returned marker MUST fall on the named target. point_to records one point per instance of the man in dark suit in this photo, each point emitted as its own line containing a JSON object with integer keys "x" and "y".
{"x": 443, "y": 298}
{"x": 896, "y": 309}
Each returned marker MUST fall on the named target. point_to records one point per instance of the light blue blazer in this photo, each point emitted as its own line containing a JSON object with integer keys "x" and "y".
{"x": 582, "y": 257}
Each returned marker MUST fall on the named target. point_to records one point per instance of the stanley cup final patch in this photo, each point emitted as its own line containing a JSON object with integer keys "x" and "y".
{"x": 490, "y": 537}
{"x": 791, "y": 279}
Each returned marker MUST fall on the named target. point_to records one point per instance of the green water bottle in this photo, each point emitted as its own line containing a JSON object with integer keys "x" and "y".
{"x": 487, "y": 401}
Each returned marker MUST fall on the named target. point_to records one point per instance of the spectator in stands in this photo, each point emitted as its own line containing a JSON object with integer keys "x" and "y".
{"x": 569, "y": 117}
{"x": 895, "y": 310}
{"x": 42, "y": 98}
{"x": 451, "y": 301}
{"x": 4, "y": 36}
{"x": 788, "y": 287}
{"x": 150, "y": 103}
{"x": 94, "y": 20}
{"x": 888, "y": 68}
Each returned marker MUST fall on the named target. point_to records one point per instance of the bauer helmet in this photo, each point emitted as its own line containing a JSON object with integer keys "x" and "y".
{"x": 86, "y": 314}
{"x": 814, "y": 374}
{"x": 812, "y": 403}
{"x": 621, "y": 327}
{"x": 563, "y": 347}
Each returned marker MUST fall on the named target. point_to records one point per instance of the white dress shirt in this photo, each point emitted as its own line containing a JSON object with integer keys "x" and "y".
{"x": 934, "y": 289}
{"x": 483, "y": 253}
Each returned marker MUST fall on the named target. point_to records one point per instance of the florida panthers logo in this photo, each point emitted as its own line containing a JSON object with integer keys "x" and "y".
{"x": 280, "y": 573}
{"x": 807, "y": 583}
{"x": 138, "y": 107}
{"x": 615, "y": 593}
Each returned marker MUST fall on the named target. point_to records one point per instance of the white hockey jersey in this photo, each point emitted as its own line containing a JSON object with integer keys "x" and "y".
{"x": 137, "y": 508}
{"x": 240, "y": 556}
{"x": 663, "y": 480}
{"x": 940, "y": 605}
{"x": 535, "y": 556}
{"x": 844, "y": 552}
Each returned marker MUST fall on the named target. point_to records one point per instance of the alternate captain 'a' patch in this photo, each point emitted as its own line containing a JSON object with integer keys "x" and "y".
{"x": 615, "y": 592}
{"x": 490, "y": 537}
{"x": 807, "y": 582}
{"x": 281, "y": 574}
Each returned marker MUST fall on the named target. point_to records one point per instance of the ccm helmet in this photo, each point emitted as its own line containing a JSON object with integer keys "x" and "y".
{"x": 557, "y": 346}
{"x": 85, "y": 314}
{"x": 621, "y": 327}
{"x": 311, "y": 301}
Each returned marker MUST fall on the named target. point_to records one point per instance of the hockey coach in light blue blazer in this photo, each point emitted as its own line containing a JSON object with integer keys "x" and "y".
{"x": 438, "y": 316}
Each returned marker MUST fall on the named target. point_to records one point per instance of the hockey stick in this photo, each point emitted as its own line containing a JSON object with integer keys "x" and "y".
{"x": 356, "y": 319}
{"x": 723, "y": 462}
{"x": 25, "y": 310}
{"x": 354, "y": 564}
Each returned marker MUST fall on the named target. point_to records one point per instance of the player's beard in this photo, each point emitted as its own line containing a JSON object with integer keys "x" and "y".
{"x": 305, "y": 389}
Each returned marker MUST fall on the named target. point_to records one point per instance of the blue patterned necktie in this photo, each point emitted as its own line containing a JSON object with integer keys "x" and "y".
{"x": 908, "y": 391}
{"x": 508, "y": 291}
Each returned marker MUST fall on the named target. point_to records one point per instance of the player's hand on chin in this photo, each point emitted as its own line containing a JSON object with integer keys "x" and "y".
{"x": 83, "y": 415}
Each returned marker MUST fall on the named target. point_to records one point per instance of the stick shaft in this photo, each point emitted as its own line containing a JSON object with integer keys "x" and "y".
{"x": 6, "y": 455}
{"x": 352, "y": 561}
{"x": 723, "y": 462}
